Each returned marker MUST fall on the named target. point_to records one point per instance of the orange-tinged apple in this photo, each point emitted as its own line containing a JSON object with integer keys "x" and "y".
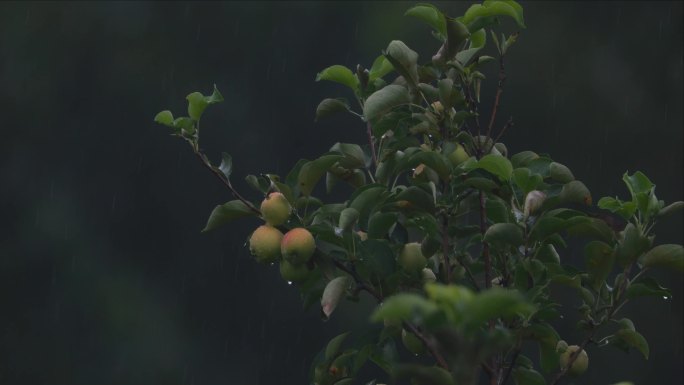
{"x": 298, "y": 246}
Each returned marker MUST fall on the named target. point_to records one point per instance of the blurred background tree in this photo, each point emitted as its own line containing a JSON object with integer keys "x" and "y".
{"x": 104, "y": 275}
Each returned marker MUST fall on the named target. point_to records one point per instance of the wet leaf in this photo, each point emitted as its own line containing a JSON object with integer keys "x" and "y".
{"x": 332, "y": 294}
{"x": 329, "y": 107}
{"x": 339, "y": 74}
{"x": 226, "y": 212}
{"x": 384, "y": 100}
{"x": 669, "y": 256}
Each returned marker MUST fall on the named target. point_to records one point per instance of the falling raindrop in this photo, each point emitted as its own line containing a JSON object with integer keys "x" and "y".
{"x": 289, "y": 282}
{"x": 113, "y": 202}
{"x": 666, "y": 297}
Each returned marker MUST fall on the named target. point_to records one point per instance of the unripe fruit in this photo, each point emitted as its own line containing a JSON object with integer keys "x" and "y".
{"x": 533, "y": 201}
{"x": 412, "y": 343}
{"x": 411, "y": 258}
{"x": 293, "y": 273}
{"x": 298, "y": 246}
{"x": 429, "y": 276}
{"x": 581, "y": 362}
{"x": 459, "y": 155}
{"x": 275, "y": 209}
{"x": 438, "y": 107}
{"x": 264, "y": 244}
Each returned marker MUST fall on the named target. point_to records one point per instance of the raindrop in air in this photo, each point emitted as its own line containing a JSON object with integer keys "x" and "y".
{"x": 289, "y": 282}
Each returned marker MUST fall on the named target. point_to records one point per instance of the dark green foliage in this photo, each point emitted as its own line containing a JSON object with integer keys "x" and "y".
{"x": 491, "y": 228}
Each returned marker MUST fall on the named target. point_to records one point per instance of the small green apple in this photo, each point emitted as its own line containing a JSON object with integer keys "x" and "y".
{"x": 581, "y": 362}
{"x": 411, "y": 258}
{"x": 459, "y": 155}
{"x": 264, "y": 244}
{"x": 297, "y": 246}
{"x": 293, "y": 273}
{"x": 412, "y": 343}
{"x": 275, "y": 209}
{"x": 429, "y": 276}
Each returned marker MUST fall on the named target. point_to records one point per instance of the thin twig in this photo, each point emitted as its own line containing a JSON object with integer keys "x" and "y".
{"x": 407, "y": 325}
{"x": 225, "y": 180}
{"x": 428, "y": 344}
{"x": 497, "y": 98}
{"x": 469, "y": 273}
{"x": 485, "y": 245}
{"x": 516, "y": 353}
{"x": 506, "y": 126}
{"x": 369, "y": 131}
{"x": 445, "y": 250}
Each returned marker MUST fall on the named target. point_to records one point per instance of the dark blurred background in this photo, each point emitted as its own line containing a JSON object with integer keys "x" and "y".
{"x": 104, "y": 275}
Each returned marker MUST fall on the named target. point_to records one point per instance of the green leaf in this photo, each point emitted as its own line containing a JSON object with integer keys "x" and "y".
{"x": 524, "y": 376}
{"x": 560, "y": 173}
{"x": 402, "y": 307}
{"x": 545, "y": 227}
{"x": 214, "y": 98}
{"x": 547, "y": 338}
{"x": 339, "y": 74}
{"x": 647, "y": 287}
{"x": 497, "y": 211}
{"x": 495, "y": 303}
{"x": 333, "y": 292}
{"x": 404, "y": 60}
{"x": 333, "y": 348}
{"x": 624, "y": 209}
{"x": 575, "y": 192}
{"x": 670, "y": 209}
{"x": 633, "y": 339}
{"x": 380, "y": 223}
{"x": 165, "y": 117}
{"x": 527, "y": 181}
{"x": 365, "y": 200}
{"x": 353, "y": 155}
{"x": 669, "y": 256}
{"x": 599, "y": 258}
{"x": 637, "y": 183}
{"x": 348, "y": 218}
{"x": 329, "y": 107}
{"x": 478, "y": 40}
{"x": 592, "y": 228}
{"x": 497, "y": 165}
{"x": 226, "y": 212}
{"x": 430, "y": 15}
{"x": 495, "y": 8}
{"x": 432, "y": 159}
{"x": 632, "y": 245}
{"x": 381, "y": 67}
{"x": 384, "y": 100}
{"x": 312, "y": 171}
{"x": 196, "y": 105}
{"x": 449, "y": 95}
{"x": 457, "y": 33}
{"x": 504, "y": 233}
{"x": 483, "y": 184}
{"x": 226, "y": 166}
{"x": 522, "y": 159}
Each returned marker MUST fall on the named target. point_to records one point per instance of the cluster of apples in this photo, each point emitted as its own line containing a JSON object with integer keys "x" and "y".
{"x": 268, "y": 244}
